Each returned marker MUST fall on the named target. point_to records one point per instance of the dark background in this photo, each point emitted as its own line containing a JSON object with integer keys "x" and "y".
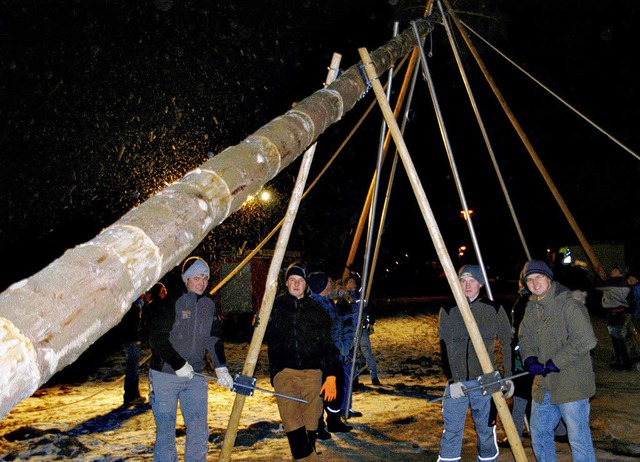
{"x": 103, "y": 103}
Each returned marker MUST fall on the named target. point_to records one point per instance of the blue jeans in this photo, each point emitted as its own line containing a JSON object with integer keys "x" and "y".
{"x": 454, "y": 413}
{"x": 545, "y": 417}
{"x": 167, "y": 390}
{"x": 131, "y": 378}
{"x": 367, "y": 352}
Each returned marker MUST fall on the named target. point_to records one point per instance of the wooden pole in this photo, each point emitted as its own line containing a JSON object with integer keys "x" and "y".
{"x": 49, "y": 319}
{"x": 445, "y": 259}
{"x": 367, "y": 203}
{"x": 260, "y": 326}
{"x": 530, "y": 149}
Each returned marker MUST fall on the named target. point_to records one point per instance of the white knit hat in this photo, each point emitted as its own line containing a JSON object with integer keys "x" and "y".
{"x": 194, "y": 266}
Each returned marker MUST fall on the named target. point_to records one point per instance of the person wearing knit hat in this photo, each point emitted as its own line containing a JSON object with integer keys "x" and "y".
{"x": 462, "y": 368}
{"x": 182, "y": 329}
{"x": 301, "y": 352}
{"x": 295, "y": 269}
{"x": 537, "y": 267}
{"x": 318, "y": 281}
{"x": 472, "y": 271}
{"x": 556, "y": 338}
{"x": 194, "y": 266}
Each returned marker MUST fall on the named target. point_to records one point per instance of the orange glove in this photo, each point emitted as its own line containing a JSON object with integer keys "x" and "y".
{"x": 329, "y": 388}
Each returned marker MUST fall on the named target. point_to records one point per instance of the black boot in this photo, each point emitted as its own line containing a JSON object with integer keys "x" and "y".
{"x": 323, "y": 434}
{"x": 622, "y": 357}
{"x": 336, "y": 425}
{"x": 313, "y": 436}
{"x": 299, "y": 443}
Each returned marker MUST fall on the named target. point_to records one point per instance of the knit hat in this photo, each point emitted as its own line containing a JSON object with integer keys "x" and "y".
{"x": 318, "y": 281}
{"x": 472, "y": 271}
{"x": 536, "y": 267}
{"x": 297, "y": 270}
{"x": 194, "y": 266}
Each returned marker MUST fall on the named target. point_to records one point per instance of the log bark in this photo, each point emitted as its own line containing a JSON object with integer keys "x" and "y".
{"x": 49, "y": 319}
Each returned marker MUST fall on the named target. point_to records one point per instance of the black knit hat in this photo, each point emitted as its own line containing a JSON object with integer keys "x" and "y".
{"x": 536, "y": 267}
{"x": 295, "y": 269}
{"x": 318, "y": 281}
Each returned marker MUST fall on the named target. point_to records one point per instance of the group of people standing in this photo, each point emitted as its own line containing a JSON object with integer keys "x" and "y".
{"x": 311, "y": 336}
{"x": 551, "y": 337}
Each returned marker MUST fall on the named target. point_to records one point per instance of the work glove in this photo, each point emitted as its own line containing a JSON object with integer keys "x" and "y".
{"x": 329, "y": 388}
{"x": 507, "y": 389}
{"x": 224, "y": 378}
{"x": 550, "y": 367}
{"x": 185, "y": 371}
{"x": 534, "y": 367}
{"x": 456, "y": 390}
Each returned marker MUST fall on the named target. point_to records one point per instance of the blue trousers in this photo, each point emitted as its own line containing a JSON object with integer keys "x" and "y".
{"x": 545, "y": 418}
{"x": 167, "y": 391}
{"x": 454, "y": 413}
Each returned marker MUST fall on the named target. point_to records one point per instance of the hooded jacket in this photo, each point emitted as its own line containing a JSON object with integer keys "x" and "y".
{"x": 558, "y": 327}
{"x": 182, "y": 329}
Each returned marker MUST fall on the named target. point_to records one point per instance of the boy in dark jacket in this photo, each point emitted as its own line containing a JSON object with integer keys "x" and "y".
{"x": 300, "y": 347}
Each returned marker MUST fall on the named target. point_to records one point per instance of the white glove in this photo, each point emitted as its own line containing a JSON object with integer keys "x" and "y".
{"x": 456, "y": 390}
{"x": 507, "y": 389}
{"x": 185, "y": 371}
{"x": 224, "y": 378}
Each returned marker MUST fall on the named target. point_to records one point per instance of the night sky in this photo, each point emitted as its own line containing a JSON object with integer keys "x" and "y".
{"x": 105, "y": 102}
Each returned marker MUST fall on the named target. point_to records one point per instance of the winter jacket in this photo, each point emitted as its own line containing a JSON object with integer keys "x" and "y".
{"x": 182, "y": 329}
{"x": 299, "y": 336}
{"x": 130, "y": 328}
{"x": 459, "y": 358}
{"x": 557, "y": 327}
{"x": 615, "y": 292}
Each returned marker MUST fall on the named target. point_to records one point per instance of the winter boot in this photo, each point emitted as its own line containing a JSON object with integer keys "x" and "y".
{"x": 622, "y": 362}
{"x": 301, "y": 450}
{"x": 336, "y": 425}
{"x": 323, "y": 434}
{"x": 313, "y": 436}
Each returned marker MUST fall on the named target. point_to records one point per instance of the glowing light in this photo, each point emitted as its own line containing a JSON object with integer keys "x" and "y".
{"x": 265, "y": 196}
{"x": 463, "y": 213}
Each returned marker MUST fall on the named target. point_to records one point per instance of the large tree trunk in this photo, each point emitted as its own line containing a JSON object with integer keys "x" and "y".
{"x": 49, "y": 319}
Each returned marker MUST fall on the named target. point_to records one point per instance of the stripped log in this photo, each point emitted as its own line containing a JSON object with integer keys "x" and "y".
{"x": 49, "y": 319}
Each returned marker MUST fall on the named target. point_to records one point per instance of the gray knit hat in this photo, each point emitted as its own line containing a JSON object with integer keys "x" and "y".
{"x": 472, "y": 271}
{"x": 194, "y": 266}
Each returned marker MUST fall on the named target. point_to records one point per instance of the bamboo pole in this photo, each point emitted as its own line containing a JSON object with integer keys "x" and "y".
{"x": 272, "y": 284}
{"x": 49, "y": 319}
{"x": 530, "y": 149}
{"x": 443, "y": 255}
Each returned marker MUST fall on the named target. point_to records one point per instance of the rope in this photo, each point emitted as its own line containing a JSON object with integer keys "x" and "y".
{"x": 485, "y": 135}
{"x": 108, "y": 387}
{"x": 552, "y": 93}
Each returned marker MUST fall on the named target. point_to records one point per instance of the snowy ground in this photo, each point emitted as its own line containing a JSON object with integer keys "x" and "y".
{"x": 84, "y": 421}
